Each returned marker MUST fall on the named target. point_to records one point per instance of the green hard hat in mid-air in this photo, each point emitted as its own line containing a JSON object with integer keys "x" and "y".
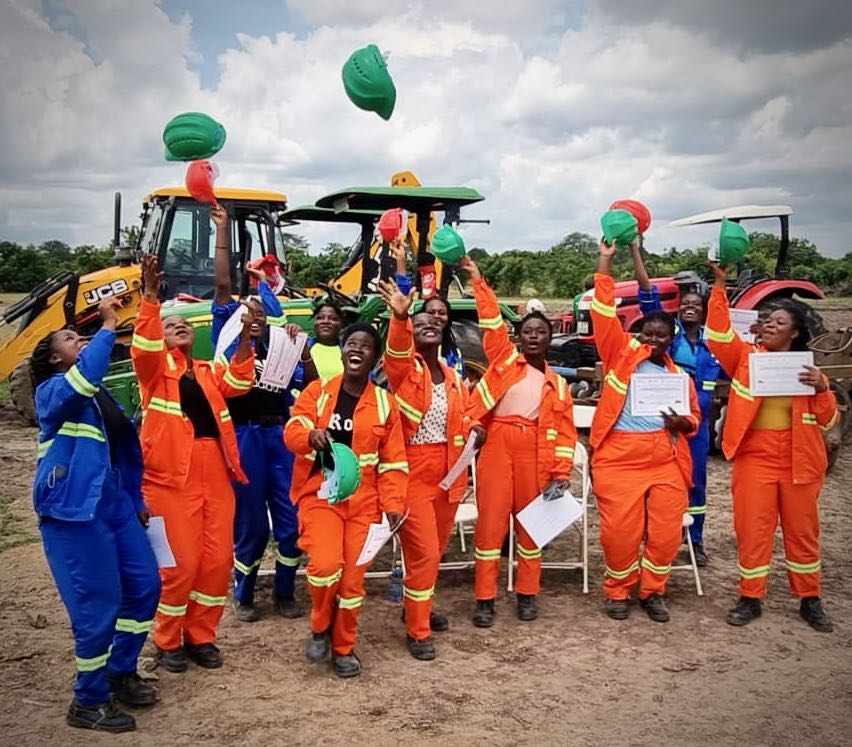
{"x": 368, "y": 83}
{"x": 341, "y": 461}
{"x": 619, "y": 227}
{"x": 448, "y": 245}
{"x": 733, "y": 242}
{"x": 192, "y": 136}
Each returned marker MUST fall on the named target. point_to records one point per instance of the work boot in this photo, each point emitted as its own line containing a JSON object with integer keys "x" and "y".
{"x": 172, "y": 661}
{"x": 701, "y": 558}
{"x": 131, "y": 689}
{"x": 423, "y": 650}
{"x": 317, "y": 647}
{"x": 483, "y": 617}
{"x": 746, "y": 610}
{"x": 438, "y": 622}
{"x": 245, "y": 612}
{"x": 617, "y": 609}
{"x": 656, "y": 608}
{"x": 288, "y": 607}
{"x": 106, "y": 717}
{"x": 526, "y": 607}
{"x": 346, "y": 665}
{"x": 204, "y": 654}
{"x": 814, "y": 614}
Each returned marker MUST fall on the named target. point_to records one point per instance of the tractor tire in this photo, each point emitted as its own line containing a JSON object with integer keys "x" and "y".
{"x": 816, "y": 325}
{"x": 21, "y": 391}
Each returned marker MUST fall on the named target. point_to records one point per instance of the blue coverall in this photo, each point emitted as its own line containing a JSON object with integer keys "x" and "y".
{"x": 269, "y": 468}
{"x": 705, "y": 370}
{"x": 88, "y": 501}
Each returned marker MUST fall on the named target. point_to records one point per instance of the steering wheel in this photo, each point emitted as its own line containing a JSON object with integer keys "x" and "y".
{"x": 347, "y": 300}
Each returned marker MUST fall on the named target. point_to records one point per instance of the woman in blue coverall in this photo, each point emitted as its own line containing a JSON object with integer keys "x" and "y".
{"x": 88, "y": 497}
{"x": 690, "y": 351}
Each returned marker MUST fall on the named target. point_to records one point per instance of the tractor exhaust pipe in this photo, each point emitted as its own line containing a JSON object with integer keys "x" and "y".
{"x": 116, "y": 222}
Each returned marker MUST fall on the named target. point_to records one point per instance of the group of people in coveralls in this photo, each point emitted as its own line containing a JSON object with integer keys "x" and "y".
{"x": 220, "y": 452}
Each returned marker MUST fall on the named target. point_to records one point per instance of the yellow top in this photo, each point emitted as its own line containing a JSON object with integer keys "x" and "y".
{"x": 328, "y": 359}
{"x": 774, "y": 414}
{"x": 223, "y": 193}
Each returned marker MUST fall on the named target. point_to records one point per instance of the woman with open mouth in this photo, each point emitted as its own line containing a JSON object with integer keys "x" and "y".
{"x": 351, "y": 410}
{"x": 190, "y": 454}
{"x": 432, "y": 399}
{"x": 762, "y": 435}
{"x": 527, "y": 411}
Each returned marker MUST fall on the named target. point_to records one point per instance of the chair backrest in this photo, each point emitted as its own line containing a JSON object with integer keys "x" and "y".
{"x": 583, "y": 416}
{"x": 581, "y": 456}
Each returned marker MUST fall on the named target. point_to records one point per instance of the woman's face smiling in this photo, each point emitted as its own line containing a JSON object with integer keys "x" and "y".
{"x": 359, "y": 354}
{"x": 327, "y": 325}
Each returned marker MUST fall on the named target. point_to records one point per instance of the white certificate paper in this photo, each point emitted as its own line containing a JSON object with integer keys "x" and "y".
{"x": 741, "y": 321}
{"x": 282, "y": 358}
{"x": 777, "y": 374}
{"x": 462, "y": 463}
{"x": 230, "y": 330}
{"x": 545, "y": 520}
{"x": 156, "y": 531}
{"x": 652, "y": 394}
{"x": 377, "y": 537}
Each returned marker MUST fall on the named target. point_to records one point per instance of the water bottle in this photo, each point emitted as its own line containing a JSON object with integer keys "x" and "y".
{"x": 395, "y": 590}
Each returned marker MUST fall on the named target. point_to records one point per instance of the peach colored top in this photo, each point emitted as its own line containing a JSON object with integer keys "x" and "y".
{"x": 524, "y": 398}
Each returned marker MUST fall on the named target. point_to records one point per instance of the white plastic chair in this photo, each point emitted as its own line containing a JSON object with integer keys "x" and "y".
{"x": 466, "y": 514}
{"x": 581, "y": 465}
{"x": 692, "y": 565}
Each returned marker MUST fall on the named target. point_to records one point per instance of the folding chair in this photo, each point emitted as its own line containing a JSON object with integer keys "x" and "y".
{"x": 466, "y": 514}
{"x": 581, "y": 465}
{"x": 693, "y": 565}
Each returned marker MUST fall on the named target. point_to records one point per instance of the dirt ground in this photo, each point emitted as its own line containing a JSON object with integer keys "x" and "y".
{"x": 571, "y": 677}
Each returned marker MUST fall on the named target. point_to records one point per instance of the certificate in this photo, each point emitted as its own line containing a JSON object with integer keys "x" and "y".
{"x": 777, "y": 374}
{"x": 462, "y": 463}
{"x": 652, "y": 394}
{"x": 741, "y": 321}
{"x": 545, "y": 520}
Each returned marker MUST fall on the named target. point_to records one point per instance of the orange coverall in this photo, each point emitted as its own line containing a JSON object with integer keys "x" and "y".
{"x": 431, "y": 510}
{"x": 520, "y": 457}
{"x": 636, "y": 475}
{"x": 188, "y": 481}
{"x": 766, "y": 480}
{"x": 332, "y": 536}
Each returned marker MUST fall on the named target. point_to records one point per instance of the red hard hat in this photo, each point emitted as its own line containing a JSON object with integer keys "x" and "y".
{"x": 200, "y": 176}
{"x": 637, "y": 210}
{"x": 390, "y": 224}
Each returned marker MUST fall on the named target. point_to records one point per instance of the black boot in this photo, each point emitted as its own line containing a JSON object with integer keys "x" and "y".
{"x": 483, "y": 617}
{"x": 131, "y": 689}
{"x": 204, "y": 654}
{"x": 346, "y": 665}
{"x": 172, "y": 661}
{"x": 746, "y": 610}
{"x": 526, "y": 607}
{"x": 617, "y": 609}
{"x": 423, "y": 650}
{"x": 99, "y": 718}
{"x": 656, "y": 608}
{"x": 288, "y": 607}
{"x": 318, "y": 647}
{"x": 439, "y": 622}
{"x": 814, "y": 614}
{"x": 245, "y": 612}
{"x": 701, "y": 558}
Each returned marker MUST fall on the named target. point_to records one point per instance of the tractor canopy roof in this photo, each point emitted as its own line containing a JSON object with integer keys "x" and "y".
{"x": 327, "y": 215}
{"x": 413, "y": 199}
{"x": 741, "y": 212}
{"x": 225, "y": 193}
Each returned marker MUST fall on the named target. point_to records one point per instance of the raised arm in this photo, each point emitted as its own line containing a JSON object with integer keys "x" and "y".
{"x": 237, "y": 377}
{"x": 722, "y": 340}
{"x": 222, "y": 261}
{"x": 148, "y": 347}
{"x": 649, "y": 295}
{"x": 610, "y": 337}
{"x": 399, "y": 351}
{"x": 495, "y": 337}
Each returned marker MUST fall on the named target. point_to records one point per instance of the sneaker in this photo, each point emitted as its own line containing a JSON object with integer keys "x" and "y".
{"x": 701, "y": 558}
{"x": 204, "y": 654}
{"x": 439, "y": 622}
{"x": 172, "y": 661}
{"x": 617, "y": 609}
{"x": 288, "y": 607}
{"x": 526, "y": 607}
{"x": 423, "y": 650}
{"x": 656, "y": 608}
{"x": 131, "y": 689}
{"x": 346, "y": 665}
{"x": 483, "y": 617}
{"x": 814, "y": 614}
{"x": 106, "y": 717}
{"x": 746, "y": 610}
{"x": 245, "y": 612}
{"x": 318, "y": 647}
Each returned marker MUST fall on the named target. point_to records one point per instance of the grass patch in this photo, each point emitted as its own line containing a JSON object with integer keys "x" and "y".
{"x": 827, "y": 303}
{"x": 15, "y": 530}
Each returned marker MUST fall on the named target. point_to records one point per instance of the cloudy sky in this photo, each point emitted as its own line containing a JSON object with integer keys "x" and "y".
{"x": 550, "y": 108}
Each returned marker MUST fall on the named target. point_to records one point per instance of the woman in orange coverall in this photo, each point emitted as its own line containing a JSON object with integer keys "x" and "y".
{"x": 527, "y": 410}
{"x": 642, "y": 467}
{"x": 761, "y": 435}
{"x": 432, "y": 400}
{"x": 348, "y": 409}
{"x": 190, "y": 456}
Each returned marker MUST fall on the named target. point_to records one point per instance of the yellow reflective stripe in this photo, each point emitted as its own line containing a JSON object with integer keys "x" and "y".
{"x": 143, "y": 343}
{"x": 246, "y": 570}
{"x": 370, "y": 459}
{"x": 136, "y": 627}
{"x": 480, "y": 554}
{"x": 290, "y": 562}
{"x": 660, "y": 570}
{"x": 234, "y": 382}
{"x": 207, "y": 600}
{"x": 277, "y": 321}
{"x": 169, "y": 407}
{"x": 717, "y": 336}
{"x": 528, "y": 554}
{"x": 564, "y": 452}
{"x": 458, "y": 440}
{"x": 224, "y": 415}
{"x": 803, "y": 567}
{"x": 326, "y": 580}
{"x": 603, "y": 309}
{"x": 171, "y": 610}
{"x": 383, "y": 404}
{"x": 511, "y": 359}
{"x": 93, "y": 664}
{"x": 485, "y": 393}
{"x": 170, "y": 360}
{"x": 697, "y": 510}
{"x": 80, "y": 383}
{"x": 620, "y": 575}
{"x": 742, "y": 390}
{"x": 561, "y": 388}
{"x": 615, "y": 382}
{"x": 43, "y": 447}
{"x": 81, "y": 430}
{"x": 757, "y": 572}
{"x": 831, "y": 423}
{"x": 389, "y": 466}
{"x": 551, "y": 434}
{"x": 321, "y": 401}
{"x": 494, "y": 322}
{"x": 398, "y": 353}
{"x": 304, "y": 422}
{"x": 349, "y": 603}
{"x": 708, "y": 386}
{"x": 419, "y": 596}
{"x": 633, "y": 343}
{"x": 412, "y": 413}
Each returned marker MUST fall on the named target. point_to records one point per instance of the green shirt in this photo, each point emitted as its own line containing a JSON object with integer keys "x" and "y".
{"x": 328, "y": 359}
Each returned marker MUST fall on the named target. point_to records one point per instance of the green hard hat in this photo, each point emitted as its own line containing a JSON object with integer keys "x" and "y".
{"x": 368, "y": 83}
{"x": 733, "y": 242}
{"x": 619, "y": 226}
{"x": 192, "y": 136}
{"x": 342, "y": 460}
{"x": 448, "y": 245}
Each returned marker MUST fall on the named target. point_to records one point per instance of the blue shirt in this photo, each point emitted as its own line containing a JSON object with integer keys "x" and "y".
{"x": 635, "y": 423}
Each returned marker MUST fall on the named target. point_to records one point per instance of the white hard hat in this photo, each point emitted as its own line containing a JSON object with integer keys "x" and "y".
{"x": 535, "y": 305}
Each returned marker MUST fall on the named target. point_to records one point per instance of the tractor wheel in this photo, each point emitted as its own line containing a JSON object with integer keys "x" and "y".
{"x": 816, "y": 325}
{"x": 21, "y": 390}
{"x": 834, "y": 437}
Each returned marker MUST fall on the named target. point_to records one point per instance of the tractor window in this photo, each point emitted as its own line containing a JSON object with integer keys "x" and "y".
{"x": 192, "y": 242}
{"x": 253, "y": 236}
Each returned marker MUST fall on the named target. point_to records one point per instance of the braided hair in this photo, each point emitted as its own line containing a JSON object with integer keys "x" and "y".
{"x": 41, "y": 368}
